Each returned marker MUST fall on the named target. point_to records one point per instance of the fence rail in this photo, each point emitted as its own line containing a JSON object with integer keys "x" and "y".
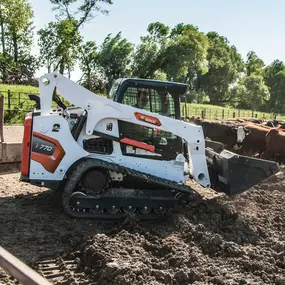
{"x": 17, "y": 104}
{"x": 15, "y": 99}
{"x": 20, "y": 270}
{"x": 226, "y": 113}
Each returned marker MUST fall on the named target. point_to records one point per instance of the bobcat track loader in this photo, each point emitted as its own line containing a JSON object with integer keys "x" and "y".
{"x": 130, "y": 153}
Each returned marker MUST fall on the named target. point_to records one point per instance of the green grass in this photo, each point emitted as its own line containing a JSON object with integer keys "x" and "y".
{"x": 19, "y": 102}
{"x": 20, "y": 105}
{"x": 217, "y": 112}
{"x": 18, "y": 88}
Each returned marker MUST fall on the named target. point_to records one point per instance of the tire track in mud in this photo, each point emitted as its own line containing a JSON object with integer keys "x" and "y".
{"x": 59, "y": 271}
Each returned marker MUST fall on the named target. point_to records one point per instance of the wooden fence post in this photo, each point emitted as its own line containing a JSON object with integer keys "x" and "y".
{"x": 9, "y": 100}
{"x": 223, "y": 114}
{"x": 239, "y": 113}
{"x": 234, "y": 114}
{"x": 1, "y": 118}
{"x": 203, "y": 115}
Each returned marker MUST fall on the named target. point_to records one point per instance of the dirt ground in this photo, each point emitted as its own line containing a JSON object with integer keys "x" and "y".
{"x": 216, "y": 241}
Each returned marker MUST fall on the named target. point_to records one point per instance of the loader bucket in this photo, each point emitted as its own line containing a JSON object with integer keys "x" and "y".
{"x": 233, "y": 174}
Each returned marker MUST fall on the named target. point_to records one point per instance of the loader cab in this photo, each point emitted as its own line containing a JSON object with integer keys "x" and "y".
{"x": 162, "y": 97}
{"x": 158, "y": 97}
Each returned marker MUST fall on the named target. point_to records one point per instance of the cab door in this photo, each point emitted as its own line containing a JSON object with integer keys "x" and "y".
{"x": 158, "y": 102}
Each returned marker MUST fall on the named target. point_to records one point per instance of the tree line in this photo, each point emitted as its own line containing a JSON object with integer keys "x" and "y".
{"x": 212, "y": 67}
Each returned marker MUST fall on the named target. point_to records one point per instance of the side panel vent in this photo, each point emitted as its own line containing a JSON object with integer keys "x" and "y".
{"x": 98, "y": 145}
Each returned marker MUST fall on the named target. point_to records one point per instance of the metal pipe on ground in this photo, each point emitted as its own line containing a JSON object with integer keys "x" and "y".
{"x": 20, "y": 270}
{"x": 1, "y": 118}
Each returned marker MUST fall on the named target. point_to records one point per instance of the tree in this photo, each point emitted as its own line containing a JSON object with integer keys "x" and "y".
{"x": 254, "y": 65}
{"x": 16, "y": 40}
{"x": 148, "y": 55}
{"x": 180, "y": 28}
{"x": 18, "y": 17}
{"x": 277, "y": 93}
{"x": 185, "y": 55}
{"x": 159, "y": 75}
{"x": 58, "y": 44}
{"x": 251, "y": 92}
{"x": 225, "y": 65}
{"x": 60, "y": 40}
{"x": 93, "y": 77}
{"x": 115, "y": 57}
{"x": 82, "y": 13}
{"x": 273, "y": 75}
{"x": 145, "y": 61}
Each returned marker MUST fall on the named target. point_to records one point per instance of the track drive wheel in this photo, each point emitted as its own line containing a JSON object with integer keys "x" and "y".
{"x": 94, "y": 181}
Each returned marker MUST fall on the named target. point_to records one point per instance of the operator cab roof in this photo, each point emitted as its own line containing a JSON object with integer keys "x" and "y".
{"x": 121, "y": 84}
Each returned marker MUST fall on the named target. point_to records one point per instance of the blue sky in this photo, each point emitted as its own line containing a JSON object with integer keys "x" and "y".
{"x": 248, "y": 24}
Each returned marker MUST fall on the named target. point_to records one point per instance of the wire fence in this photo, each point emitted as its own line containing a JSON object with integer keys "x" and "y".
{"x": 226, "y": 113}
{"x": 13, "y": 100}
{"x": 18, "y": 104}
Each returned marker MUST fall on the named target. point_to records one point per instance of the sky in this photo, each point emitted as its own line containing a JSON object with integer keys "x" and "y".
{"x": 256, "y": 25}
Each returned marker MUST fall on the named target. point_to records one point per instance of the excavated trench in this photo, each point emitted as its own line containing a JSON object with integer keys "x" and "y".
{"x": 217, "y": 240}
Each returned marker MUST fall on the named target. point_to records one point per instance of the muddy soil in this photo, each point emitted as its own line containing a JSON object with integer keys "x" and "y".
{"x": 217, "y": 240}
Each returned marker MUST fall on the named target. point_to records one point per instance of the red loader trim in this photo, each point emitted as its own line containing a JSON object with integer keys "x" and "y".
{"x": 148, "y": 119}
{"x": 25, "y": 165}
{"x": 138, "y": 144}
{"x": 49, "y": 162}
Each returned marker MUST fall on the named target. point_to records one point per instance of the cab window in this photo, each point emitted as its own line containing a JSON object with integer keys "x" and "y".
{"x": 113, "y": 90}
{"x": 155, "y": 101}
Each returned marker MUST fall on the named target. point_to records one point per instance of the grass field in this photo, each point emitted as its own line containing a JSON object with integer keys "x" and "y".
{"x": 18, "y": 88}
{"x": 20, "y": 105}
{"x": 217, "y": 112}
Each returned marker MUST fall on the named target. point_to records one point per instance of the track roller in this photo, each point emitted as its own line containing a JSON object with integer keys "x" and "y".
{"x": 145, "y": 210}
{"x": 129, "y": 209}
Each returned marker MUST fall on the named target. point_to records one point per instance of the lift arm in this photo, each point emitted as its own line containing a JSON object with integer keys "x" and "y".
{"x": 100, "y": 108}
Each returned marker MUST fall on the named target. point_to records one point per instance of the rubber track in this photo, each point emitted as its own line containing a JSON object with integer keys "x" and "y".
{"x": 75, "y": 175}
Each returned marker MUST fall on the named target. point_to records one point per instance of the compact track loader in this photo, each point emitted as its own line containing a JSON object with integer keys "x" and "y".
{"x": 131, "y": 153}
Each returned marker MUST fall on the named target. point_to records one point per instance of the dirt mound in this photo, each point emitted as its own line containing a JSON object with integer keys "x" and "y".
{"x": 216, "y": 241}
{"x": 220, "y": 241}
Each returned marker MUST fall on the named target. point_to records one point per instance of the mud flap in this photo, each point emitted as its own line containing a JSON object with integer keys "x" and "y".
{"x": 233, "y": 174}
